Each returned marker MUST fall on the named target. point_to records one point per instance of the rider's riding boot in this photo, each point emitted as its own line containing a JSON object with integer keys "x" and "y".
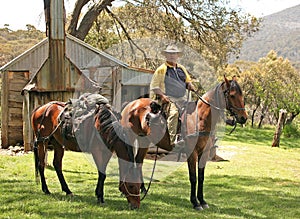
{"x": 179, "y": 146}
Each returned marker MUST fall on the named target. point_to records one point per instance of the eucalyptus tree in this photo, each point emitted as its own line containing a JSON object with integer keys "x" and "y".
{"x": 270, "y": 84}
{"x": 211, "y": 27}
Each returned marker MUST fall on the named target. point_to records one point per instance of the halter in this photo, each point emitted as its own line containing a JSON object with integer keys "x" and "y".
{"x": 148, "y": 188}
{"x": 123, "y": 183}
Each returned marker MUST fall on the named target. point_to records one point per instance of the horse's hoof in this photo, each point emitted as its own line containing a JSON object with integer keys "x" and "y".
{"x": 143, "y": 191}
{"x": 70, "y": 195}
{"x": 204, "y": 206}
{"x": 101, "y": 203}
{"x": 198, "y": 208}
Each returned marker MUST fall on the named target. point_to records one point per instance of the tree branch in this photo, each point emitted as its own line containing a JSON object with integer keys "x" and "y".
{"x": 75, "y": 16}
{"x": 126, "y": 33}
{"x": 90, "y": 17}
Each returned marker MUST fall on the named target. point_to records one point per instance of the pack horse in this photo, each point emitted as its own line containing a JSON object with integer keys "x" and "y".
{"x": 98, "y": 132}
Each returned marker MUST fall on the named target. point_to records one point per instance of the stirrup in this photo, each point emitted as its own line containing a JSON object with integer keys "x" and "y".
{"x": 179, "y": 146}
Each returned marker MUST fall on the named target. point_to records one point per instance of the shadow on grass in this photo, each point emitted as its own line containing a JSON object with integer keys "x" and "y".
{"x": 260, "y": 136}
{"x": 228, "y": 197}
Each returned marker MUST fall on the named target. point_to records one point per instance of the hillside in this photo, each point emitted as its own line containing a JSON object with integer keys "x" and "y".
{"x": 13, "y": 43}
{"x": 280, "y": 32}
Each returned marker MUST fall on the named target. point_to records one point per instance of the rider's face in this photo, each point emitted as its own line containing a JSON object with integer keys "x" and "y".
{"x": 172, "y": 57}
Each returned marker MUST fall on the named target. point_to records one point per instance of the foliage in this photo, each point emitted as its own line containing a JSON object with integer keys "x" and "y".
{"x": 250, "y": 185}
{"x": 270, "y": 85}
{"x": 291, "y": 130}
{"x": 13, "y": 43}
{"x": 210, "y": 27}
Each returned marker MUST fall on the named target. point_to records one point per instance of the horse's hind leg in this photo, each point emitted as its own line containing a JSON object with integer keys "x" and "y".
{"x": 57, "y": 163}
{"x": 42, "y": 150}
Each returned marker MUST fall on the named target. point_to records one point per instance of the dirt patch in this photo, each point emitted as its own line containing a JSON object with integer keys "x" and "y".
{"x": 13, "y": 151}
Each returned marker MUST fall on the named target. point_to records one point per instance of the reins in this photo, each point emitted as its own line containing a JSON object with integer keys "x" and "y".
{"x": 207, "y": 103}
{"x": 229, "y": 106}
{"x": 149, "y": 185}
{"x": 152, "y": 174}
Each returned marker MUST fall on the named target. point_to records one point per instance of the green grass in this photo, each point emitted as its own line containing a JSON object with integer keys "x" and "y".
{"x": 258, "y": 182}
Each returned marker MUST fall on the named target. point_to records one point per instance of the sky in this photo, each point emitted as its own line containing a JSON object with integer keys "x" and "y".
{"x": 18, "y": 13}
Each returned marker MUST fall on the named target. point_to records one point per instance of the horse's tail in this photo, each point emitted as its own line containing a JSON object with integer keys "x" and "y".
{"x": 36, "y": 160}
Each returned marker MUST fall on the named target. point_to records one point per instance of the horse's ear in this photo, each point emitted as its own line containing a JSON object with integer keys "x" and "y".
{"x": 227, "y": 82}
{"x": 155, "y": 107}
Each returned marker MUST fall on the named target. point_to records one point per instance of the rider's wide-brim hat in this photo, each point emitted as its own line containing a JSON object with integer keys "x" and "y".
{"x": 172, "y": 49}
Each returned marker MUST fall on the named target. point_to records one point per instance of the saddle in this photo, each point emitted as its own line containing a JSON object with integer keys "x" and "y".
{"x": 183, "y": 108}
{"x": 78, "y": 115}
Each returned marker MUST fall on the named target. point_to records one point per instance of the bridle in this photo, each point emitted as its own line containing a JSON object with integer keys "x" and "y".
{"x": 148, "y": 188}
{"x": 228, "y": 105}
{"x": 124, "y": 184}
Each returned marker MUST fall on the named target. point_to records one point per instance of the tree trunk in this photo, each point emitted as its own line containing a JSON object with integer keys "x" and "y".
{"x": 88, "y": 19}
{"x": 261, "y": 120}
{"x": 280, "y": 124}
{"x": 252, "y": 117}
{"x": 290, "y": 119}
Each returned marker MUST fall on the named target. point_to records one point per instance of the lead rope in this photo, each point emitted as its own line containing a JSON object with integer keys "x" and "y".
{"x": 151, "y": 178}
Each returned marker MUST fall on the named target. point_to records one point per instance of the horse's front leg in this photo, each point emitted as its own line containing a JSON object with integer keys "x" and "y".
{"x": 192, "y": 162}
{"x": 57, "y": 163}
{"x": 101, "y": 158}
{"x": 202, "y": 159}
{"x": 200, "y": 187}
{"x": 143, "y": 145}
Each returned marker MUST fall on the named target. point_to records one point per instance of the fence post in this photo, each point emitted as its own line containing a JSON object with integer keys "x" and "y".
{"x": 278, "y": 130}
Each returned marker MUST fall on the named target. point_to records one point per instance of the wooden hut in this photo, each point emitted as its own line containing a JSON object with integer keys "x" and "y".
{"x": 59, "y": 68}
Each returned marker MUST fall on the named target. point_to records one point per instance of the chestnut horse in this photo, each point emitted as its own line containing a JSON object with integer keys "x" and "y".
{"x": 102, "y": 134}
{"x": 144, "y": 123}
{"x": 198, "y": 128}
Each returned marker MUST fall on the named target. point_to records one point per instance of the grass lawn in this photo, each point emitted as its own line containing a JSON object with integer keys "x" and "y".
{"x": 258, "y": 181}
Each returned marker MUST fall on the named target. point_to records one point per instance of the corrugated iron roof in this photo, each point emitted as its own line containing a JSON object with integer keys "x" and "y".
{"x": 42, "y": 55}
{"x": 119, "y": 62}
{"x": 19, "y": 57}
{"x": 69, "y": 37}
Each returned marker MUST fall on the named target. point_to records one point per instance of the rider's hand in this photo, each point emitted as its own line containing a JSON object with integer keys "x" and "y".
{"x": 191, "y": 87}
{"x": 164, "y": 99}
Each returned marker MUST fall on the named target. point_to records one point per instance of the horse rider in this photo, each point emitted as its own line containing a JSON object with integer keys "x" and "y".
{"x": 168, "y": 86}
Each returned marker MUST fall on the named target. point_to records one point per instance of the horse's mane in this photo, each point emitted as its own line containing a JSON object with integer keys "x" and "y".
{"x": 111, "y": 126}
{"x": 234, "y": 84}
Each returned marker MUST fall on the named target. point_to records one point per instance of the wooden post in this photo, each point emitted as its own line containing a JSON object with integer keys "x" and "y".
{"x": 281, "y": 120}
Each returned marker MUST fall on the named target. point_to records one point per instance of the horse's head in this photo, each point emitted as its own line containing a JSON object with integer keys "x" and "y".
{"x": 143, "y": 116}
{"x": 235, "y": 100}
